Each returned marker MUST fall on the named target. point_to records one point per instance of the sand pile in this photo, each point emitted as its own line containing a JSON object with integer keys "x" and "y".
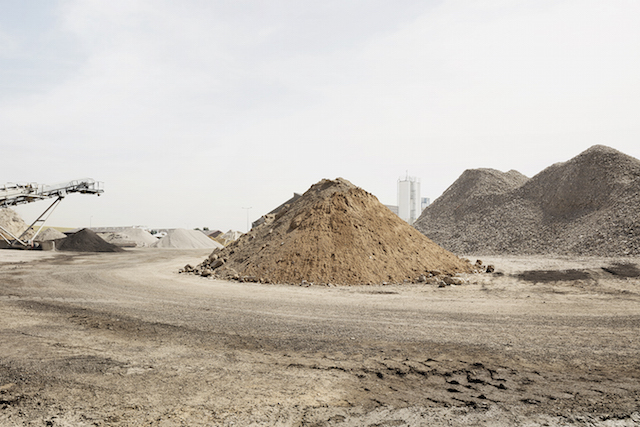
{"x": 12, "y": 222}
{"x": 336, "y": 233}
{"x": 585, "y": 206}
{"x": 227, "y": 238}
{"x": 85, "y": 240}
{"x": 231, "y": 235}
{"x": 130, "y": 237}
{"x": 181, "y": 238}
{"x": 49, "y": 234}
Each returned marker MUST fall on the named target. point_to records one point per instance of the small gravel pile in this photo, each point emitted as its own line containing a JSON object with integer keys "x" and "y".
{"x": 181, "y": 238}
{"x": 335, "y": 233}
{"x": 585, "y": 206}
{"x": 130, "y": 237}
{"x": 85, "y": 240}
{"x": 49, "y": 234}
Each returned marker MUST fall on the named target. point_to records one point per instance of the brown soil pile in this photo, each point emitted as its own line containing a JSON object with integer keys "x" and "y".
{"x": 585, "y": 206}
{"x": 85, "y": 240}
{"x": 336, "y": 233}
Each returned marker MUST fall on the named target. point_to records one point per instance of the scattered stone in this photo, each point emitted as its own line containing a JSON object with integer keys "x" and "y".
{"x": 450, "y": 280}
{"x": 216, "y": 263}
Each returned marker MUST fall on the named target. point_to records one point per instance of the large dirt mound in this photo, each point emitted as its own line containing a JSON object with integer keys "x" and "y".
{"x": 336, "y": 233}
{"x": 85, "y": 240}
{"x": 12, "y": 222}
{"x": 181, "y": 238}
{"x": 585, "y": 206}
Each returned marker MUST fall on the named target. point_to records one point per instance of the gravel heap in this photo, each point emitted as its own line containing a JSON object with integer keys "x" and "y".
{"x": 181, "y": 238}
{"x": 49, "y": 234}
{"x": 130, "y": 237}
{"x": 336, "y": 233}
{"x": 11, "y": 221}
{"x": 585, "y": 206}
{"x": 85, "y": 240}
{"x": 230, "y": 236}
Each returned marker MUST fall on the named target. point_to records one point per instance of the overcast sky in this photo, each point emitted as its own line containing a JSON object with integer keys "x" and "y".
{"x": 192, "y": 110}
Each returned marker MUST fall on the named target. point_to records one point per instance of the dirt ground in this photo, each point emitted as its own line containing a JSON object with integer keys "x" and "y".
{"x": 122, "y": 339}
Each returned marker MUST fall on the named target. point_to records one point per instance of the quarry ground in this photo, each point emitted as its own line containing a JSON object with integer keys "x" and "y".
{"x": 122, "y": 339}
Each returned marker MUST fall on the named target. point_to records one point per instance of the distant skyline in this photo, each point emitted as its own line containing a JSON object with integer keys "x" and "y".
{"x": 191, "y": 111}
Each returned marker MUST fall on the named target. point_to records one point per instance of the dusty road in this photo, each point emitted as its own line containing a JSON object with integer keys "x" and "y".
{"x": 123, "y": 340}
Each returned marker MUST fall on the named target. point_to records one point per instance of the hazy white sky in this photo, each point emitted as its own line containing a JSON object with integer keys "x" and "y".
{"x": 191, "y": 110}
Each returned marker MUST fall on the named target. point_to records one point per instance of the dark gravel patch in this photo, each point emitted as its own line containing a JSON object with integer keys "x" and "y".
{"x": 546, "y": 276}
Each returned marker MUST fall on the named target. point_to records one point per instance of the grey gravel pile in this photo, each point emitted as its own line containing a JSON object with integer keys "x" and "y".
{"x": 589, "y": 205}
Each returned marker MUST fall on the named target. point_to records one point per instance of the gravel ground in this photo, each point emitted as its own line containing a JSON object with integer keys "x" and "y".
{"x": 121, "y": 339}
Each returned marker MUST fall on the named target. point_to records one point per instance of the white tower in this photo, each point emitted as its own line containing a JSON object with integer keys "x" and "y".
{"x": 409, "y": 206}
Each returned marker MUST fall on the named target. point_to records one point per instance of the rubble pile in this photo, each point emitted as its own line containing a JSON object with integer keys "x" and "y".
{"x": 585, "y": 206}
{"x": 85, "y": 240}
{"x": 336, "y": 233}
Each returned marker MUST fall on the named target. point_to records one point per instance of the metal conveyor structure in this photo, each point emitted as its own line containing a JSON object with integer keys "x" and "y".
{"x": 16, "y": 194}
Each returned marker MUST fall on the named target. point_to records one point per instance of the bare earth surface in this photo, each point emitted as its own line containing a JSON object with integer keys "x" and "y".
{"x": 121, "y": 339}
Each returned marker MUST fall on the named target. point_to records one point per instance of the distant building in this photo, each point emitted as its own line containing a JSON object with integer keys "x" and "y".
{"x": 425, "y": 202}
{"x": 409, "y": 203}
{"x": 213, "y": 233}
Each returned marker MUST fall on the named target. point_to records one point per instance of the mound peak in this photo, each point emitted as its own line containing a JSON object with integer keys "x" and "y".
{"x": 334, "y": 233}
{"x": 487, "y": 181}
{"x": 591, "y": 181}
{"x": 480, "y": 183}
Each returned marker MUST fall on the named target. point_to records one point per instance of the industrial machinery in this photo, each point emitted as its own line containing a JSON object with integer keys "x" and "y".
{"x": 15, "y": 194}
